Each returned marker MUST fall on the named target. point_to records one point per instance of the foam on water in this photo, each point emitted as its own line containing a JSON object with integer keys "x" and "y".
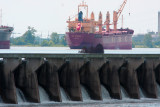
{"x": 105, "y": 93}
{"x": 1, "y": 101}
{"x": 87, "y": 101}
{"x": 158, "y": 90}
{"x": 64, "y": 96}
{"x": 43, "y": 95}
{"x": 124, "y": 94}
{"x": 20, "y": 96}
{"x": 141, "y": 93}
{"x": 85, "y": 94}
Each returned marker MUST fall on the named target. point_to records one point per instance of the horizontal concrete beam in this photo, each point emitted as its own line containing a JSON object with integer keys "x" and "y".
{"x": 37, "y": 55}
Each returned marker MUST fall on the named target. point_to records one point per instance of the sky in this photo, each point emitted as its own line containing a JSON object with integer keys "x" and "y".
{"x": 48, "y": 16}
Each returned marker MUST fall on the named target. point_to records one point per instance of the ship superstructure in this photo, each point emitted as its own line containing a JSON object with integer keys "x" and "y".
{"x": 87, "y": 32}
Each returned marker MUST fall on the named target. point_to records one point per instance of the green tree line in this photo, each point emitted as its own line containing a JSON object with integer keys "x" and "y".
{"x": 29, "y": 38}
{"x": 146, "y": 41}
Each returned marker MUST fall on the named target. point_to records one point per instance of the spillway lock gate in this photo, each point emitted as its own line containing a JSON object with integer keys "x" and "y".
{"x": 54, "y": 72}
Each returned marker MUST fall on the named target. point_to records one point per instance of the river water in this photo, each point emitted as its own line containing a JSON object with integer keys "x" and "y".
{"x": 87, "y": 101}
{"x": 67, "y": 50}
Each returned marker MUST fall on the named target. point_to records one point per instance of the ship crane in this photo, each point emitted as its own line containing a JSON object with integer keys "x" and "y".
{"x": 121, "y": 8}
{"x": 116, "y": 14}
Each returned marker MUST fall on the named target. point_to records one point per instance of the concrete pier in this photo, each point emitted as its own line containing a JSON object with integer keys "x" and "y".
{"x": 128, "y": 76}
{"x": 69, "y": 78}
{"x": 89, "y": 77}
{"x": 146, "y": 77}
{"x": 7, "y": 80}
{"x": 110, "y": 79}
{"x": 48, "y": 78}
{"x": 26, "y": 78}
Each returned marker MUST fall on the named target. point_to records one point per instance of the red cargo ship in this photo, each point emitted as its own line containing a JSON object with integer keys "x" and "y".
{"x": 86, "y": 32}
{"x": 5, "y": 33}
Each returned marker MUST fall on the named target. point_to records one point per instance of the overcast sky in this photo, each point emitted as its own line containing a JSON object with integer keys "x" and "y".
{"x": 51, "y": 15}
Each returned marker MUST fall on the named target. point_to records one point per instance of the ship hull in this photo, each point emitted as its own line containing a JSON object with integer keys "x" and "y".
{"x": 4, "y": 44}
{"x": 4, "y": 39}
{"x": 110, "y": 41}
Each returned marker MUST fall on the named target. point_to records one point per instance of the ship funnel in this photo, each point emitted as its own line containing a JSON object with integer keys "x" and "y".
{"x": 92, "y": 16}
{"x": 80, "y": 16}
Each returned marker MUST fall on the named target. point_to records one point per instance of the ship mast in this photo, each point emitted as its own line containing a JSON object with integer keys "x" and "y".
{"x": 84, "y": 5}
{"x": 116, "y": 14}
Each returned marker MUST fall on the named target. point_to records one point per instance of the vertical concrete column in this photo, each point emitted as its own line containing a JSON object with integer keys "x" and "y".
{"x": 48, "y": 79}
{"x": 7, "y": 83}
{"x": 157, "y": 74}
{"x": 109, "y": 76}
{"x": 128, "y": 76}
{"x": 89, "y": 77}
{"x": 146, "y": 78}
{"x": 26, "y": 79}
{"x": 69, "y": 78}
{"x": 157, "y": 69}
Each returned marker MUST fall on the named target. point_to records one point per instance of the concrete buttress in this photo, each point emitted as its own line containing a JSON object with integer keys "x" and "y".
{"x": 69, "y": 78}
{"x": 146, "y": 78}
{"x": 7, "y": 83}
{"x": 26, "y": 78}
{"x": 89, "y": 77}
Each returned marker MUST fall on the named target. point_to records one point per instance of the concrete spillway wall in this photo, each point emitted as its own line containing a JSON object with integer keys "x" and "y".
{"x": 52, "y": 71}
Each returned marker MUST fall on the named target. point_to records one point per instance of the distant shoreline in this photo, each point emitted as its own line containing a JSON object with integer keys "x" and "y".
{"x": 37, "y": 46}
{"x": 137, "y": 46}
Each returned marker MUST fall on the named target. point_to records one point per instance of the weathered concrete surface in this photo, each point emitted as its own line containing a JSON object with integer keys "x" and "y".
{"x": 89, "y": 77}
{"x": 157, "y": 74}
{"x": 69, "y": 78}
{"x": 47, "y": 76}
{"x": 7, "y": 85}
{"x": 109, "y": 76}
{"x": 26, "y": 79}
{"x": 146, "y": 78}
{"x": 78, "y": 55}
{"x": 157, "y": 69}
{"x": 128, "y": 76}
{"x": 27, "y": 75}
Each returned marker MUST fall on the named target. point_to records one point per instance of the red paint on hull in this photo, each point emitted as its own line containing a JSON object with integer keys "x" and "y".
{"x": 4, "y": 44}
{"x": 112, "y": 41}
